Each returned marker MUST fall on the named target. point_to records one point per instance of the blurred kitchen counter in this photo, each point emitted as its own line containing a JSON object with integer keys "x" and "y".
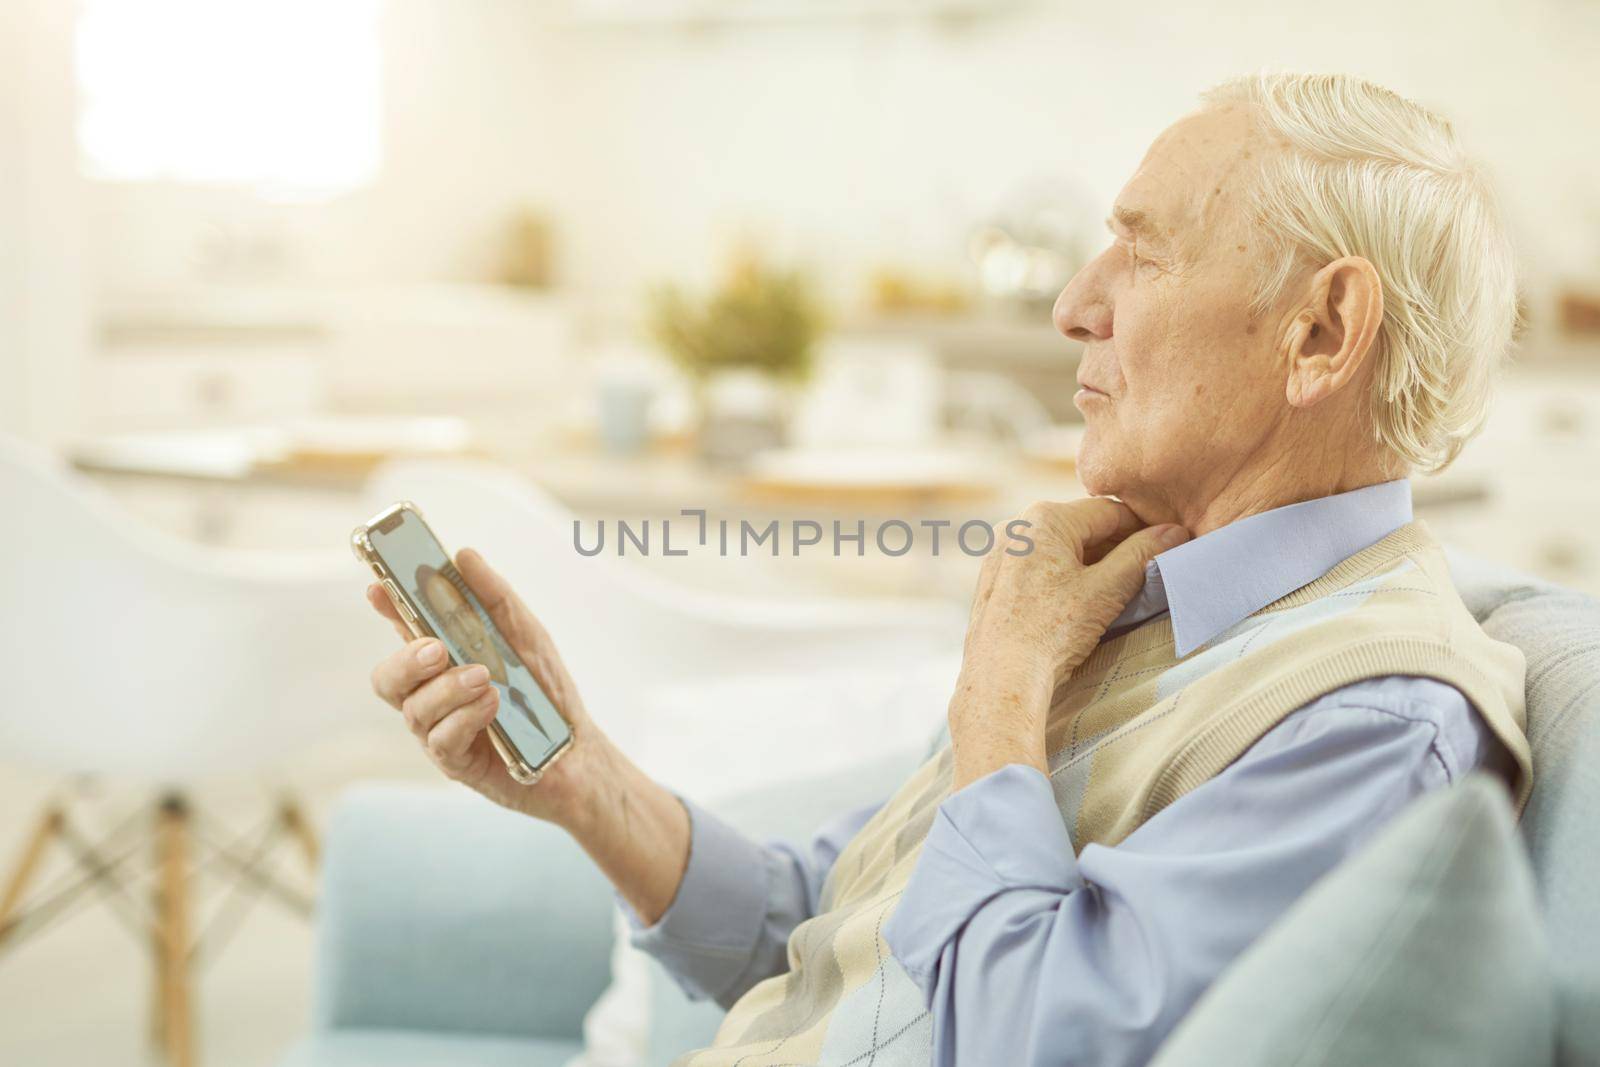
{"x": 1526, "y": 493}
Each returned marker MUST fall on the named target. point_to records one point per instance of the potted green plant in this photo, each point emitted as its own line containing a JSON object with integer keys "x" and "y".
{"x": 745, "y": 348}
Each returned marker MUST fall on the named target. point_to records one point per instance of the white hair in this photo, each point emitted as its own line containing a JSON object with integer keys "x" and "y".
{"x": 1369, "y": 173}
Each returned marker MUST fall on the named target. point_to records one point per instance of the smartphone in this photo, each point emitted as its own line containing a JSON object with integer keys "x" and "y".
{"x": 528, "y": 731}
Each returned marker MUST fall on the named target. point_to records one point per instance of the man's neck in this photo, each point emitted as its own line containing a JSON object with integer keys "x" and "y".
{"x": 1254, "y": 488}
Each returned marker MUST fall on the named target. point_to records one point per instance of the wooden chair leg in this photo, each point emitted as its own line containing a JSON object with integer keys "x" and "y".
{"x": 295, "y": 821}
{"x": 174, "y": 1012}
{"x": 158, "y": 942}
{"x": 158, "y": 985}
{"x": 28, "y": 861}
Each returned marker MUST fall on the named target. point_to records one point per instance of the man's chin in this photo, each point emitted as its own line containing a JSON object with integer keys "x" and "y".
{"x": 1096, "y": 470}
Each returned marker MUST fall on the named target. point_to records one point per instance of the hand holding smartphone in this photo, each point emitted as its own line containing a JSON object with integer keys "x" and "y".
{"x": 636, "y": 830}
{"x": 433, "y": 600}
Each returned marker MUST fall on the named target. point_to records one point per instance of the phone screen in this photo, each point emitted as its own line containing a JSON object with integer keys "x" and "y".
{"x": 439, "y": 593}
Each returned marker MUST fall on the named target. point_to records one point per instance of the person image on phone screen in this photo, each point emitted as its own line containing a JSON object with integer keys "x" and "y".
{"x": 464, "y": 628}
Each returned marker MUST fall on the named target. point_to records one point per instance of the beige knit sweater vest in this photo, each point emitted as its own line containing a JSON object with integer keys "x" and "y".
{"x": 1130, "y": 731}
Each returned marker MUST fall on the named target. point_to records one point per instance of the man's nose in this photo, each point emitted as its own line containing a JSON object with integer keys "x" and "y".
{"x": 1083, "y": 310}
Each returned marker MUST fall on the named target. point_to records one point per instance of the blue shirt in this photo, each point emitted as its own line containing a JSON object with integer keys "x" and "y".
{"x": 1098, "y": 954}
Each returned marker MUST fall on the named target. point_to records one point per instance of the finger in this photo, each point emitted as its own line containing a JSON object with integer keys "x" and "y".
{"x": 451, "y": 738}
{"x": 521, "y": 629}
{"x": 436, "y": 698}
{"x": 1100, "y": 550}
{"x": 1124, "y": 566}
{"x": 1095, "y": 551}
{"x": 487, "y": 584}
{"x": 384, "y": 606}
{"x": 398, "y": 675}
{"x": 1101, "y": 518}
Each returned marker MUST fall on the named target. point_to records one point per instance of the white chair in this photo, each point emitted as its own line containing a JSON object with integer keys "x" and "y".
{"x": 699, "y": 686}
{"x": 138, "y": 658}
{"x": 137, "y": 655}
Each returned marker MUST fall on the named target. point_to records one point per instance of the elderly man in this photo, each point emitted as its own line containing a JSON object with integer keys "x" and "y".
{"x": 1185, "y": 705}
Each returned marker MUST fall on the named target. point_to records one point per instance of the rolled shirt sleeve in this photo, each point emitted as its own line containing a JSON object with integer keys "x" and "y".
{"x": 728, "y": 926}
{"x": 1022, "y": 847}
{"x": 1097, "y": 956}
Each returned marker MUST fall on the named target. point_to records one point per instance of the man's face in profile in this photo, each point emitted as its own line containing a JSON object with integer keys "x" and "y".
{"x": 462, "y": 625}
{"x": 1180, "y": 381}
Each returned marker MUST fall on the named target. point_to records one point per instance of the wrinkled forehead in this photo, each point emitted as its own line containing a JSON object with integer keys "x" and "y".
{"x": 1189, "y": 186}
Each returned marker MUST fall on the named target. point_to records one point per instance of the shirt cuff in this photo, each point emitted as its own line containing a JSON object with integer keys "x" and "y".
{"x": 709, "y": 931}
{"x": 1000, "y": 833}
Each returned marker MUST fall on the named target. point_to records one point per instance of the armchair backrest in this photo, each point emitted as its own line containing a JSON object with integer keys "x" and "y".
{"x": 1558, "y": 631}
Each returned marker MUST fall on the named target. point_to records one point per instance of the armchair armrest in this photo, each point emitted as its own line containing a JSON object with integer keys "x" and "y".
{"x": 441, "y": 911}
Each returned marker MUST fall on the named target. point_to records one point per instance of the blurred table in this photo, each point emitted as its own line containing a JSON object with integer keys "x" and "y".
{"x": 288, "y": 486}
{"x": 265, "y": 488}
{"x": 1526, "y": 494}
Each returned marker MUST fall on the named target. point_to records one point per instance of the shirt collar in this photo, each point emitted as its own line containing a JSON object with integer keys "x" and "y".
{"x": 1218, "y": 580}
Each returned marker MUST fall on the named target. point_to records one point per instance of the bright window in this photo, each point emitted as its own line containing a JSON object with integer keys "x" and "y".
{"x": 283, "y": 96}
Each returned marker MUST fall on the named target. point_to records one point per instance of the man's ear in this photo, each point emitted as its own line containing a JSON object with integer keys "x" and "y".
{"x": 1328, "y": 341}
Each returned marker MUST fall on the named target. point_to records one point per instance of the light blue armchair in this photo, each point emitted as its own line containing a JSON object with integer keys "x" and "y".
{"x": 454, "y": 933}
{"x": 451, "y": 931}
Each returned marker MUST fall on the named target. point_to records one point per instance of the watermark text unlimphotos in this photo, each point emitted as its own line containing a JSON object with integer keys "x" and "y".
{"x": 742, "y": 537}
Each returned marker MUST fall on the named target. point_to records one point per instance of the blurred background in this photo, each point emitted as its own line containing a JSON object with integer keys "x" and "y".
{"x": 610, "y": 259}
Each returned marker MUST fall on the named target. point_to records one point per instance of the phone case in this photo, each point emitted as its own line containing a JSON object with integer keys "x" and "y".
{"x": 361, "y": 542}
